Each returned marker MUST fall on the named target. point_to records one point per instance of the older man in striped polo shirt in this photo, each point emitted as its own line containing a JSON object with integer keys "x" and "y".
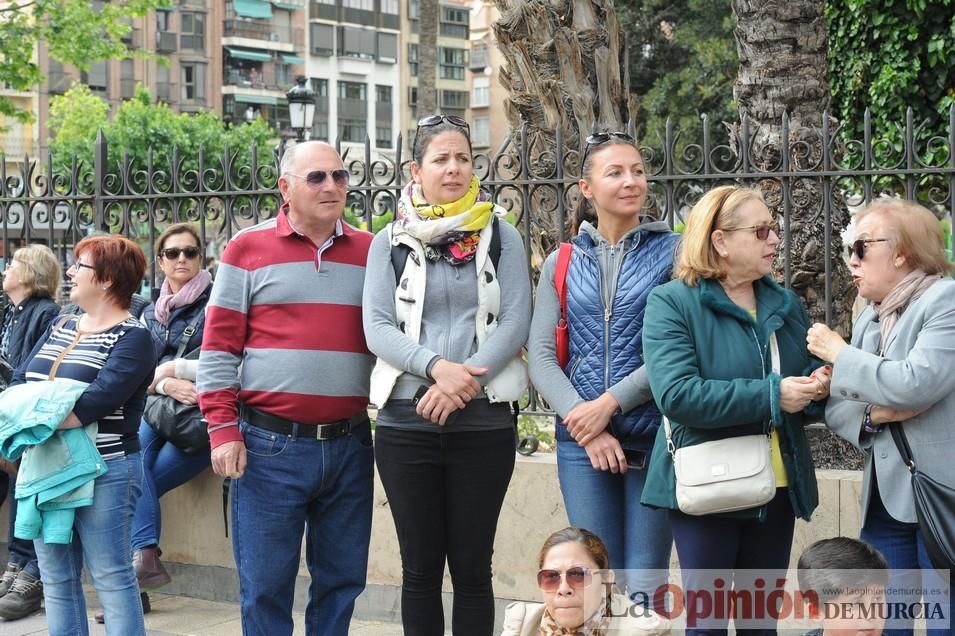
{"x": 283, "y": 381}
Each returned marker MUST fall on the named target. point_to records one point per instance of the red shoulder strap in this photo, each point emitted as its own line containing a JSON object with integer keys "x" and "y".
{"x": 560, "y": 277}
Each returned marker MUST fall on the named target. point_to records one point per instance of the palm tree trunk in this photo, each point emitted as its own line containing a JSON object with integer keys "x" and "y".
{"x": 427, "y": 57}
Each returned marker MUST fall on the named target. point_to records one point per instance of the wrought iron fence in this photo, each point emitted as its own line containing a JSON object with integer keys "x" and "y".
{"x": 807, "y": 169}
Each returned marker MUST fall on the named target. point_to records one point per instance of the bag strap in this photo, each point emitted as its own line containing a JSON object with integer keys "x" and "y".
{"x": 188, "y": 332}
{"x": 560, "y": 277}
{"x": 59, "y": 325}
{"x": 902, "y": 443}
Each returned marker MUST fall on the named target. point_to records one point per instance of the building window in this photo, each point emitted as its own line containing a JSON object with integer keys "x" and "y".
{"x": 96, "y": 77}
{"x": 193, "y": 82}
{"x": 481, "y": 132}
{"x": 413, "y": 59}
{"x": 362, "y": 5}
{"x": 127, "y": 79}
{"x": 164, "y": 87}
{"x": 359, "y": 43}
{"x": 163, "y": 21}
{"x": 412, "y": 9}
{"x": 352, "y": 130}
{"x": 383, "y": 137}
{"x": 320, "y": 87}
{"x": 481, "y": 92}
{"x": 320, "y": 130}
{"x": 323, "y": 39}
{"x": 412, "y": 96}
{"x": 383, "y": 94}
{"x": 454, "y": 100}
{"x": 454, "y": 23}
{"x": 193, "y": 35}
{"x": 389, "y": 6}
{"x": 479, "y": 58}
{"x": 388, "y": 47}
{"x": 352, "y": 90}
{"x": 451, "y": 63}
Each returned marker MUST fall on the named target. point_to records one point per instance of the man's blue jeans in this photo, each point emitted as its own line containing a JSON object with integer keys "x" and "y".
{"x": 637, "y": 537}
{"x": 101, "y": 535}
{"x": 293, "y": 485}
{"x": 165, "y": 467}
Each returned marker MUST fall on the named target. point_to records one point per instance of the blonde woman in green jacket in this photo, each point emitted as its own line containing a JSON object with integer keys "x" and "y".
{"x": 706, "y": 344}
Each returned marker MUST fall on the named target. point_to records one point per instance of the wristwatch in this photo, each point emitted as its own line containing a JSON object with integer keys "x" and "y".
{"x": 867, "y": 425}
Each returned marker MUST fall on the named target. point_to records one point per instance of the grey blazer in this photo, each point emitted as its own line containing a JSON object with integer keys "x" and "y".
{"x": 916, "y": 371}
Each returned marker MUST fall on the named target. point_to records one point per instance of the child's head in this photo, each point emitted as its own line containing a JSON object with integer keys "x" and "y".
{"x": 843, "y": 582}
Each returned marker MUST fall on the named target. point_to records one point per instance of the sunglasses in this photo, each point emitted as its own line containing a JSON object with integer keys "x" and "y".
{"x": 578, "y": 577}
{"x": 316, "y": 178}
{"x": 761, "y": 231}
{"x": 598, "y": 139}
{"x": 172, "y": 253}
{"x": 434, "y": 120}
{"x": 858, "y": 247}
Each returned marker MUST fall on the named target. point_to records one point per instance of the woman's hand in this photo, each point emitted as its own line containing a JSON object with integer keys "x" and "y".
{"x": 164, "y": 370}
{"x": 823, "y": 376}
{"x": 824, "y": 343}
{"x": 457, "y": 380}
{"x": 588, "y": 419}
{"x": 436, "y": 405}
{"x": 605, "y": 453}
{"x": 885, "y": 414}
{"x": 71, "y": 421}
{"x": 183, "y": 391}
{"x": 795, "y": 393}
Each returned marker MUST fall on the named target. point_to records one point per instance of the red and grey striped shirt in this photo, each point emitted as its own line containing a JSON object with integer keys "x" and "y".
{"x": 283, "y": 329}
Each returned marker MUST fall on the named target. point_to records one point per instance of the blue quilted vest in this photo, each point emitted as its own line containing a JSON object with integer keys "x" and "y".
{"x": 605, "y": 349}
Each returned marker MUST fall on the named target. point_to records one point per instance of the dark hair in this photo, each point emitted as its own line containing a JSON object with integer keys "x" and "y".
{"x": 585, "y": 209}
{"x": 425, "y": 134}
{"x": 172, "y": 230}
{"x": 830, "y": 567}
{"x": 117, "y": 260}
{"x": 591, "y": 543}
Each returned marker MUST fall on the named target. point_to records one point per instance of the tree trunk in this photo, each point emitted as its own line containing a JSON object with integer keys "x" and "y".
{"x": 427, "y": 57}
{"x": 782, "y": 49}
{"x": 566, "y": 68}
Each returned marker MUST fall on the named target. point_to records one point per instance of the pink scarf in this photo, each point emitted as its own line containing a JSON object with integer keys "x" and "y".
{"x": 186, "y": 296}
{"x": 902, "y": 295}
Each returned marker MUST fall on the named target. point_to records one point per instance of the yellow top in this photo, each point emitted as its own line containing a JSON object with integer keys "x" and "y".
{"x": 775, "y": 454}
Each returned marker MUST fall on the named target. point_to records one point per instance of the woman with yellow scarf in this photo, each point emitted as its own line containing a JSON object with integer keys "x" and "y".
{"x": 447, "y": 307}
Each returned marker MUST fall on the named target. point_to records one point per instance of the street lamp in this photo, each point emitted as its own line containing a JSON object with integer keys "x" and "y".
{"x": 301, "y": 107}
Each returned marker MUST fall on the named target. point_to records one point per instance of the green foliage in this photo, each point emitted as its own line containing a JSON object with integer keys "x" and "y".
{"x": 532, "y": 425}
{"x": 891, "y": 55}
{"x": 139, "y": 124}
{"x": 683, "y": 63}
{"x": 75, "y": 32}
{"x": 356, "y": 218}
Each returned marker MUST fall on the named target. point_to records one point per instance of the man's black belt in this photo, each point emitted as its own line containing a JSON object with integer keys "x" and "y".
{"x": 276, "y": 424}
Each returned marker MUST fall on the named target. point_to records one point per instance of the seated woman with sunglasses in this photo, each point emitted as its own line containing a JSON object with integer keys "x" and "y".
{"x": 726, "y": 356}
{"x": 897, "y": 369}
{"x": 606, "y": 416}
{"x": 181, "y": 305}
{"x": 446, "y": 310}
{"x": 579, "y": 594}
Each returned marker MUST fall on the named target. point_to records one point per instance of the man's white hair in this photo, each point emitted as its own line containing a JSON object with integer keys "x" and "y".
{"x": 291, "y": 154}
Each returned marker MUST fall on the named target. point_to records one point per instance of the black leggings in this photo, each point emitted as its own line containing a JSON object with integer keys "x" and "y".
{"x": 445, "y": 492}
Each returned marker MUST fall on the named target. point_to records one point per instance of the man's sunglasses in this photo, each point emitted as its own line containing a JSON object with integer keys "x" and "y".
{"x": 598, "y": 139}
{"x": 172, "y": 253}
{"x": 761, "y": 231}
{"x": 316, "y": 178}
{"x": 578, "y": 577}
{"x": 858, "y": 247}
{"x": 434, "y": 120}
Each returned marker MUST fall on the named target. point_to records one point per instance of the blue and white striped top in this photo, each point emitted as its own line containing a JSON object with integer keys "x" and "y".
{"x": 118, "y": 365}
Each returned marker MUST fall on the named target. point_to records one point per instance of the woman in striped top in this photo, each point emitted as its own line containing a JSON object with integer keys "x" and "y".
{"x": 114, "y": 353}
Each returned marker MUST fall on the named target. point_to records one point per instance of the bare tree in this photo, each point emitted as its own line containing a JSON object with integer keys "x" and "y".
{"x": 782, "y": 49}
{"x": 427, "y": 57}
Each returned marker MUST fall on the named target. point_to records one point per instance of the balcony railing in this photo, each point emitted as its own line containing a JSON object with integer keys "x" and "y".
{"x": 166, "y": 91}
{"x": 270, "y": 77}
{"x": 59, "y": 82}
{"x": 383, "y": 112}
{"x": 166, "y": 42}
{"x": 352, "y": 108}
{"x": 264, "y": 30}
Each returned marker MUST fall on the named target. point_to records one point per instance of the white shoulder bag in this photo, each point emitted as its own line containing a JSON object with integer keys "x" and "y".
{"x": 724, "y": 475}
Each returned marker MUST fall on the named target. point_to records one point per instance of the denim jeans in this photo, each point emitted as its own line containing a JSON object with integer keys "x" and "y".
{"x": 903, "y": 547}
{"x": 165, "y": 467}
{"x": 291, "y": 486}
{"x": 101, "y": 535}
{"x": 445, "y": 491}
{"x": 637, "y": 537}
{"x": 22, "y": 551}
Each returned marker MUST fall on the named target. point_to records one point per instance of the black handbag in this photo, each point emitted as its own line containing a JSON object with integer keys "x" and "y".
{"x": 934, "y": 507}
{"x": 180, "y": 424}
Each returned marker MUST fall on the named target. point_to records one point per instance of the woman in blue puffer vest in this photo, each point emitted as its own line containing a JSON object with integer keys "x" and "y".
{"x": 606, "y": 416}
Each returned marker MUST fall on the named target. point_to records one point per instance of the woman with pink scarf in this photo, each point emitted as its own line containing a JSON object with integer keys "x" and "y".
{"x": 181, "y": 304}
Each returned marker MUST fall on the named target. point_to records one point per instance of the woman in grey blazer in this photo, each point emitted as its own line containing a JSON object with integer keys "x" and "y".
{"x": 899, "y": 368}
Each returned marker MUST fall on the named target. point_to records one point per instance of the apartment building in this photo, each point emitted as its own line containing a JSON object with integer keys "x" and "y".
{"x": 19, "y": 138}
{"x": 489, "y": 124}
{"x": 353, "y": 66}
{"x": 452, "y": 63}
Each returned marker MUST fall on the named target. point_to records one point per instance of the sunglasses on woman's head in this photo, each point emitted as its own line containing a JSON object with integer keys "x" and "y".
{"x": 761, "y": 231}
{"x": 172, "y": 253}
{"x": 578, "y": 577}
{"x": 858, "y": 247}
{"x": 434, "y": 120}
{"x": 316, "y": 178}
{"x": 598, "y": 139}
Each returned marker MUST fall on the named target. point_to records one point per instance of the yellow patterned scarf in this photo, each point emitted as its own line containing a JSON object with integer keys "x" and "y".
{"x": 597, "y": 625}
{"x": 450, "y": 231}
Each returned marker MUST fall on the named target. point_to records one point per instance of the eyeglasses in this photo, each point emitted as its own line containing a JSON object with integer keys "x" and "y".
{"x": 858, "y": 246}
{"x": 316, "y": 178}
{"x": 578, "y": 577}
{"x": 598, "y": 139}
{"x": 761, "y": 231}
{"x": 172, "y": 253}
{"x": 76, "y": 266}
{"x": 434, "y": 120}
